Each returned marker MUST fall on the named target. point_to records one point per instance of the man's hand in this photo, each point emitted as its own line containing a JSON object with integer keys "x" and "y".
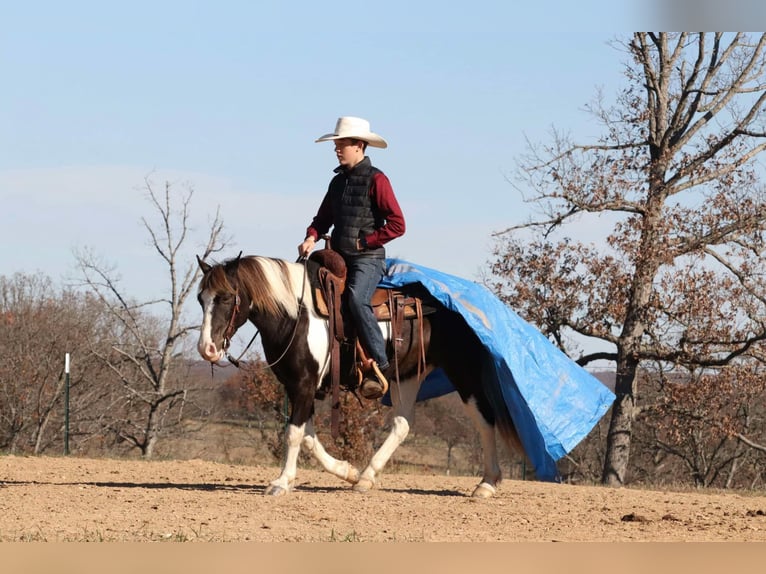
{"x": 305, "y": 248}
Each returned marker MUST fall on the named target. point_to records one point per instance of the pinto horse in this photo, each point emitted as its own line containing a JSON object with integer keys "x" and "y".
{"x": 275, "y": 296}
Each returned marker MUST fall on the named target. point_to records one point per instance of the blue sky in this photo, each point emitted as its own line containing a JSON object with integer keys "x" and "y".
{"x": 228, "y": 96}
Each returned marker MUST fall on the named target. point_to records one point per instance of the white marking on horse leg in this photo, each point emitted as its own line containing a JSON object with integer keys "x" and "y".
{"x": 403, "y": 397}
{"x": 286, "y": 480}
{"x": 492, "y": 474}
{"x": 340, "y": 468}
{"x": 400, "y": 428}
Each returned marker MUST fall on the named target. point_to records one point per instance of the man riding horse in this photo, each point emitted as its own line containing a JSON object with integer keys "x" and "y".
{"x": 364, "y": 213}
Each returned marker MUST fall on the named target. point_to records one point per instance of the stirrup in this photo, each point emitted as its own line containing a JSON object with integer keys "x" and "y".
{"x": 375, "y": 386}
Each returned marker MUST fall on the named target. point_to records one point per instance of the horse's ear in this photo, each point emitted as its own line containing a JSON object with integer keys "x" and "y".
{"x": 202, "y": 265}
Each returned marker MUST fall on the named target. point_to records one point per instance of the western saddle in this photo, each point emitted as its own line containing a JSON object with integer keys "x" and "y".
{"x": 327, "y": 275}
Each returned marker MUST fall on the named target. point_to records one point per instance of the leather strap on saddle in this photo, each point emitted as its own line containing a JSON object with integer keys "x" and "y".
{"x": 398, "y": 308}
{"x": 332, "y": 288}
{"x": 336, "y": 336}
{"x": 388, "y": 305}
{"x": 331, "y": 278}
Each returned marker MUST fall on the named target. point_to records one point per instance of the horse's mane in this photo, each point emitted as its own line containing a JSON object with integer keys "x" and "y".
{"x": 270, "y": 283}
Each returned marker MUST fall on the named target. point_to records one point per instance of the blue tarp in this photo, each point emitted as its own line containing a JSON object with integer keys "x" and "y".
{"x": 553, "y": 402}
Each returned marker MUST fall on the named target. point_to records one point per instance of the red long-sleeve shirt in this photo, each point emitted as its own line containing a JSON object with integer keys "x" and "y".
{"x": 385, "y": 202}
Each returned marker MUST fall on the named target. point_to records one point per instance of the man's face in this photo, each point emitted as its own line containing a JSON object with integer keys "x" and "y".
{"x": 349, "y": 151}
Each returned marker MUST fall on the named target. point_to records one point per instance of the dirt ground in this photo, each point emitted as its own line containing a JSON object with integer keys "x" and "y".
{"x": 75, "y": 499}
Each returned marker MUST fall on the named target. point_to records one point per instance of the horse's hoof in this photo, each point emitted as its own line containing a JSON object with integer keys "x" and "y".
{"x": 352, "y": 475}
{"x": 363, "y": 486}
{"x": 276, "y": 490}
{"x": 484, "y": 490}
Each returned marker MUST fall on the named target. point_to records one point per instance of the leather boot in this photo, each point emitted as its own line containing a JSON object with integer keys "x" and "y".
{"x": 374, "y": 384}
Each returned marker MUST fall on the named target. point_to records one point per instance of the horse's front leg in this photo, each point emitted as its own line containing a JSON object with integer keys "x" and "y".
{"x": 286, "y": 480}
{"x": 340, "y": 468}
{"x": 403, "y": 398}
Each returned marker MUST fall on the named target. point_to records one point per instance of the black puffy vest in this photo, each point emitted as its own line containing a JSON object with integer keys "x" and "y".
{"x": 353, "y": 213}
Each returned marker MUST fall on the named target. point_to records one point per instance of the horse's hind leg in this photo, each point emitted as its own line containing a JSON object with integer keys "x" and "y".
{"x": 400, "y": 428}
{"x": 305, "y": 435}
{"x": 403, "y": 398}
{"x": 492, "y": 474}
{"x": 340, "y": 468}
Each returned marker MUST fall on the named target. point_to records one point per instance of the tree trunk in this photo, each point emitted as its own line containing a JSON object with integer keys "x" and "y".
{"x": 151, "y": 433}
{"x": 628, "y": 350}
{"x": 732, "y": 472}
{"x": 148, "y": 450}
{"x": 39, "y": 435}
{"x": 621, "y": 425}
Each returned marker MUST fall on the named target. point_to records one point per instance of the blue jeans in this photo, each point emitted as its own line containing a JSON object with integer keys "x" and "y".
{"x": 363, "y": 276}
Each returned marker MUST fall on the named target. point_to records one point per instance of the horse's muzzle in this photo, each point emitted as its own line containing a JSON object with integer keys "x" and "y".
{"x": 210, "y": 352}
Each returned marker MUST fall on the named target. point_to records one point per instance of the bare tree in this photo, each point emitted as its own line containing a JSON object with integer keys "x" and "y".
{"x": 697, "y": 419}
{"x": 145, "y": 348}
{"x": 679, "y": 279}
{"x": 39, "y": 325}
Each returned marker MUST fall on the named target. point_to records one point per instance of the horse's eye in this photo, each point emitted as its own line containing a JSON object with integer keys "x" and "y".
{"x": 225, "y": 299}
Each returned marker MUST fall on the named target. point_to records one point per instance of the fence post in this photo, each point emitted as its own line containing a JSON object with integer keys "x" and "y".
{"x": 66, "y": 405}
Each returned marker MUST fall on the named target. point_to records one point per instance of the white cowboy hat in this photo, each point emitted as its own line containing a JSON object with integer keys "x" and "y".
{"x": 355, "y": 128}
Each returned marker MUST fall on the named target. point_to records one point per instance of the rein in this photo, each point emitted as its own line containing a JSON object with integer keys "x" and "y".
{"x": 235, "y": 311}
{"x": 229, "y": 333}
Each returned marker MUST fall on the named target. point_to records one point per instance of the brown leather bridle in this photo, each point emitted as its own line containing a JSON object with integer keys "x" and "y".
{"x": 230, "y": 329}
